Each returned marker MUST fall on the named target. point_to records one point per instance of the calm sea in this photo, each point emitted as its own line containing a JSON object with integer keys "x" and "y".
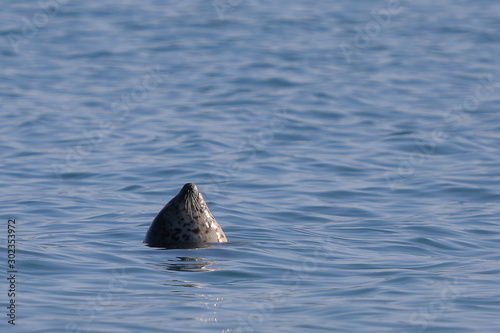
{"x": 349, "y": 149}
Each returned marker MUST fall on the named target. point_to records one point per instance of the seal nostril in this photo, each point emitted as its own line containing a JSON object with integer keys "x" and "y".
{"x": 190, "y": 187}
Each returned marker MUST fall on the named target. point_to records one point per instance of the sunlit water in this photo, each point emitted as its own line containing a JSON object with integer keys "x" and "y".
{"x": 349, "y": 149}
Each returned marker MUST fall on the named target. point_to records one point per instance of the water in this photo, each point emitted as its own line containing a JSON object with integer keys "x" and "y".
{"x": 354, "y": 173}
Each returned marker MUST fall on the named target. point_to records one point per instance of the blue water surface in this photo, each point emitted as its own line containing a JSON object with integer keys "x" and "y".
{"x": 349, "y": 149}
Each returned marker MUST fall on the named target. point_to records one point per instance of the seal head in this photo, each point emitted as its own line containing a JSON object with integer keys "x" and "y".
{"x": 185, "y": 222}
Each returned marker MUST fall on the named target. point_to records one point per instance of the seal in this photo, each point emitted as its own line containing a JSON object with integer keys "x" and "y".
{"x": 185, "y": 222}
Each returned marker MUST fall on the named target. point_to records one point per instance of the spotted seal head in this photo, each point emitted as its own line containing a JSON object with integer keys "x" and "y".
{"x": 185, "y": 221}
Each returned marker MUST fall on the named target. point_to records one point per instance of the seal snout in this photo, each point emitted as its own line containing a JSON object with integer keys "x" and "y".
{"x": 189, "y": 187}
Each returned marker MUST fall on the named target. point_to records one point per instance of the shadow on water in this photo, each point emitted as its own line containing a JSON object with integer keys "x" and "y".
{"x": 188, "y": 264}
{"x": 183, "y": 263}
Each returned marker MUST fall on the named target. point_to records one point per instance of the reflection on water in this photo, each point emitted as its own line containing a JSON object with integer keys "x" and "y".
{"x": 188, "y": 264}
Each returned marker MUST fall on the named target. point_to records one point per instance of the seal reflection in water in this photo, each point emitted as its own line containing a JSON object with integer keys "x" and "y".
{"x": 185, "y": 222}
